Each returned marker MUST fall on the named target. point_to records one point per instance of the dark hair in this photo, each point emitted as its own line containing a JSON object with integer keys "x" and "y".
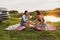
{"x": 38, "y": 12}
{"x": 25, "y": 11}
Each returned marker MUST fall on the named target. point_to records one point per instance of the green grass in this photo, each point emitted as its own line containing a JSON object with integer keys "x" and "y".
{"x": 28, "y": 33}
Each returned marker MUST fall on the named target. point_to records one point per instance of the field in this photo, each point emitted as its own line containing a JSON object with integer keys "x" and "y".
{"x": 28, "y": 33}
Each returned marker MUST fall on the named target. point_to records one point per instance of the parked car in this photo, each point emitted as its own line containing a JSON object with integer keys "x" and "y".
{"x": 4, "y": 14}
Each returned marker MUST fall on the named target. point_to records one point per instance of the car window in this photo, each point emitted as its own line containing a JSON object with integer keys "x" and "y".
{"x": 4, "y": 11}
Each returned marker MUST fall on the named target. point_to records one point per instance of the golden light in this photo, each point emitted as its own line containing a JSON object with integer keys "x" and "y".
{"x": 51, "y": 18}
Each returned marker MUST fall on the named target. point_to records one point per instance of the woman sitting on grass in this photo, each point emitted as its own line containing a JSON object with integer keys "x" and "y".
{"x": 24, "y": 20}
{"x": 39, "y": 20}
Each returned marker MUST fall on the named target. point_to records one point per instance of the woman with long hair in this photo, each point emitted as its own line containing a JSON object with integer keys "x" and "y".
{"x": 39, "y": 20}
{"x": 39, "y": 16}
{"x": 41, "y": 25}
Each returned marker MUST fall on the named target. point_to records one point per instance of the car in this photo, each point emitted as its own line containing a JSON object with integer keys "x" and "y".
{"x": 4, "y": 14}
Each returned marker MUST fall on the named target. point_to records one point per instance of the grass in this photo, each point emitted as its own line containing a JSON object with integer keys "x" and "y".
{"x": 28, "y": 33}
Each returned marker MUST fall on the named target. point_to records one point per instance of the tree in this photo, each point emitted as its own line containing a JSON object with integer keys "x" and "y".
{"x": 57, "y": 9}
{"x": 44, "y": 13}
{"x": 32, "y": 13}
{"x": 13, "y": 11}
{"x": 58, "y": 13}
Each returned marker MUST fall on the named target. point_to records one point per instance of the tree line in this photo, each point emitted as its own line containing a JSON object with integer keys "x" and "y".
{"x": 54, "y": 12}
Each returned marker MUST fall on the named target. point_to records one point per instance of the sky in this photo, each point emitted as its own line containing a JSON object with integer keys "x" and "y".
{"x": 31, "y": 5}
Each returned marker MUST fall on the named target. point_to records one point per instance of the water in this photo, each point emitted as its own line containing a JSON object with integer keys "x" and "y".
{"x": 51, "y": 18}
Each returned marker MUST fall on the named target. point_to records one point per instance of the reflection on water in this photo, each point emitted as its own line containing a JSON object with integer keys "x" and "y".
{"x": 51, "y": 18}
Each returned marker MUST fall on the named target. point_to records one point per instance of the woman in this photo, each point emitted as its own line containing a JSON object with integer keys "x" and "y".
{"x": 39, "y": 17}
{"x": 39, "y": 20}
{"x": 24, "y": 20}
{"x": 42, "y": 25}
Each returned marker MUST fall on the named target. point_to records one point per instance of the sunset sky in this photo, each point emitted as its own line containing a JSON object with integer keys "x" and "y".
{"x": 30, "y": 5}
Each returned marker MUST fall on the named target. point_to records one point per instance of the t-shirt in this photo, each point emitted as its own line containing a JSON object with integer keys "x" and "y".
{"x": 23, "y": 20}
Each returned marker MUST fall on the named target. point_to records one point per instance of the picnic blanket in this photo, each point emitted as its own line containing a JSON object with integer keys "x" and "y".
{"x": 43, "y": 27}
{"x": 38, "y": 27}
{"x": 47, "y": 27}
{"x": 14, "y": 27}
{"x": 50, "y": 27}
